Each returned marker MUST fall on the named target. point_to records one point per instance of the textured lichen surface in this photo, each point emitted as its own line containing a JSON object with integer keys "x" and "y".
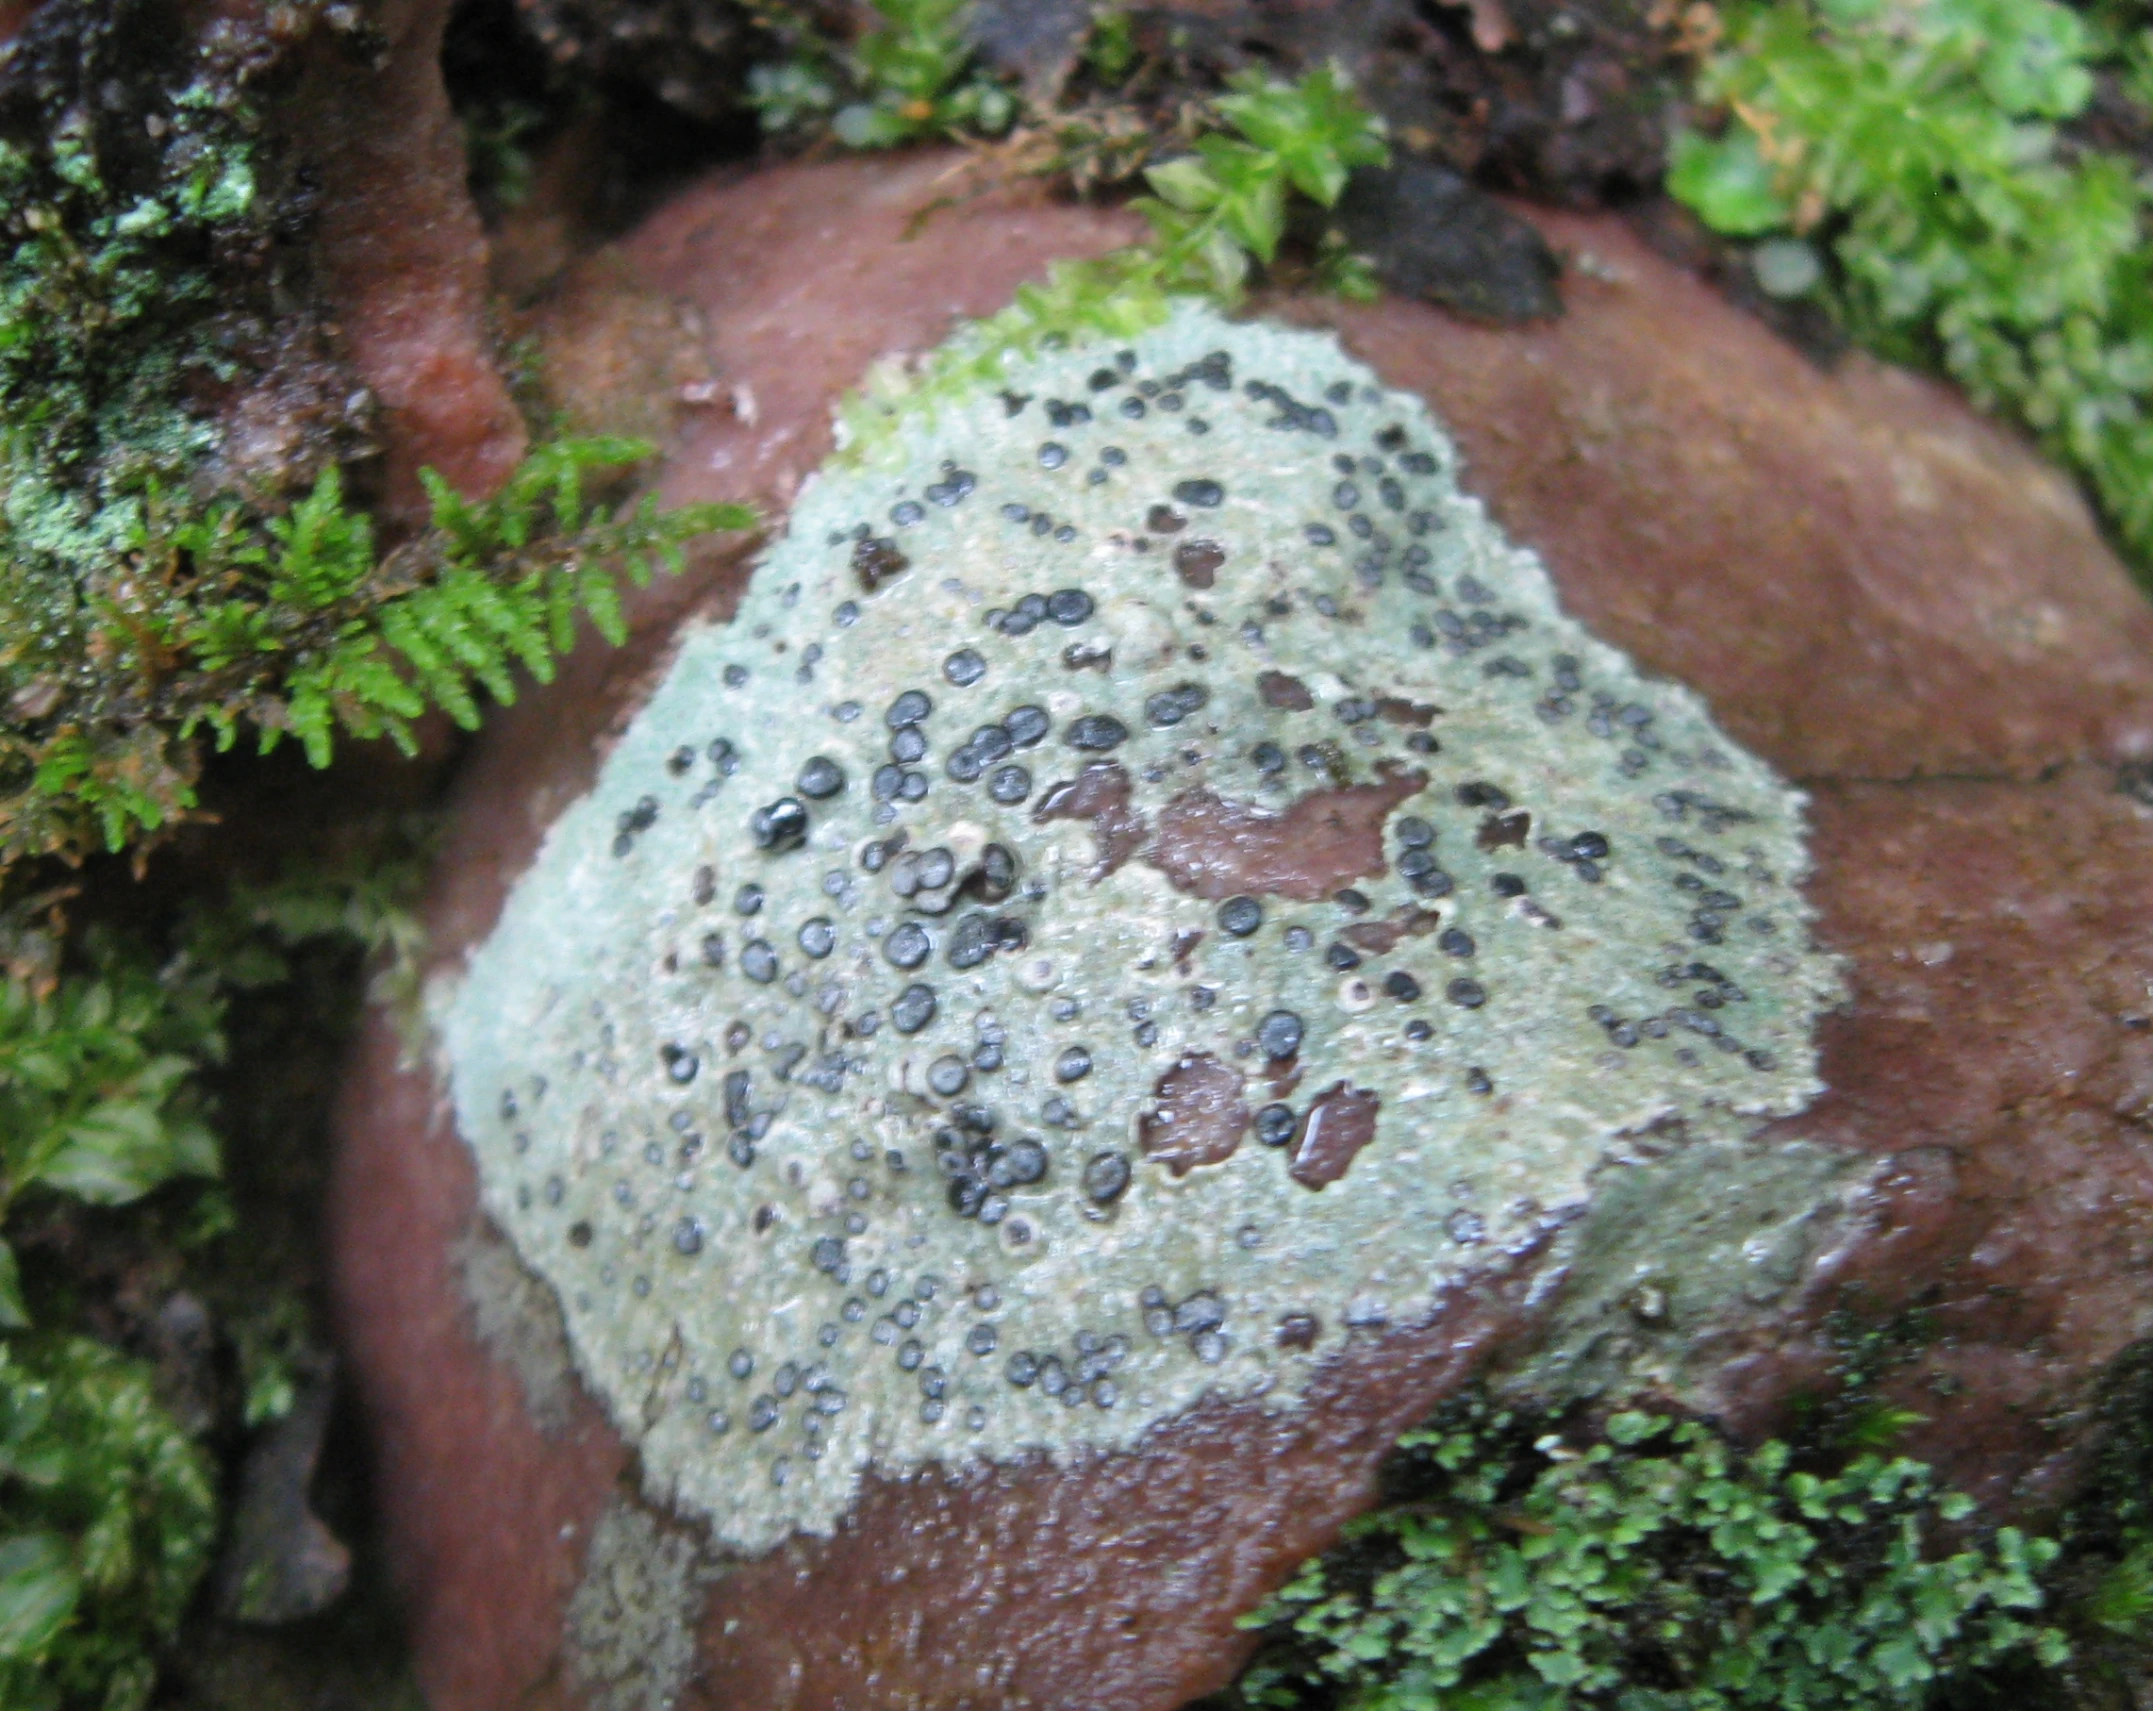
{"x": 1148, "y": 886}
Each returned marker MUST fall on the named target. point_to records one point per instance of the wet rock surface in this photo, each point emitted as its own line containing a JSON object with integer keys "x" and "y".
{"x": 1869, "y": 587}
{"x": 401, "y": 257}
{"x": 1311, "y": 848}
{"x": 1199, "y": 1117}
{"x": 1822, "y": 556}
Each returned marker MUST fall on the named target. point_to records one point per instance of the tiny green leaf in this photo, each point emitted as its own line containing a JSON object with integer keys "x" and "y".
{"x": 1185, "y": 182}
{"x": 1727, "y": 182}
{"x": 39, "y": 1590}
{"x": 14, "y": 1316}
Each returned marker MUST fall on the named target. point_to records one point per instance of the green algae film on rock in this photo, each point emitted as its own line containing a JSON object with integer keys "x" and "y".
{"x": 1148, "y": 884}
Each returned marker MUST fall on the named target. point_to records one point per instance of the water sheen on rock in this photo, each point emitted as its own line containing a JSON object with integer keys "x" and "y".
{"x": 829, "y": 1187}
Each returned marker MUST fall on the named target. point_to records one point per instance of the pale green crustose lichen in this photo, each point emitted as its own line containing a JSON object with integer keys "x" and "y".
{"x": 1144, "y": 759}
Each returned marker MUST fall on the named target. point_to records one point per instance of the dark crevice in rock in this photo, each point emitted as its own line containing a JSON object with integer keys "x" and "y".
{"x": 1431, "y": 235}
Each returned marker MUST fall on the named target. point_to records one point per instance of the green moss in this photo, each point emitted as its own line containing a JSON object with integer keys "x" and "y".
{"x": 96, "y": 1093}
{"x": 2102, "y": 1585}
{"x": 116, "y": 209}
{"x": 109, "y": 1073}
{"x": 107, "y": 1515}
{"x": 908, "y": 78}
{"x": 296, "y": 627}
{"x": 1652, "y": 1568}
{"x": 128, "y": 189}
{"x": 227, "y": 617}
{"x": 102, "y": 1059}
{"x": 1914, "y": 144}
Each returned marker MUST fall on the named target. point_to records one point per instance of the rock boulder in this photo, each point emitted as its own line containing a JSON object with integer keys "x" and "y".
{"x": 1891, "y": 602}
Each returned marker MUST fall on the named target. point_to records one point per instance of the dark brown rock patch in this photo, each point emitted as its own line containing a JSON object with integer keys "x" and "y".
{"x": 1337, "y": 1124}
{"x": 1283, "y": 690}
{"x": 1100, "y": 794}
{"x": 1200, "y": 1116}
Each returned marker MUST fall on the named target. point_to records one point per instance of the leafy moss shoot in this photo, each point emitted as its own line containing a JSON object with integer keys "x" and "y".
{"x": 1902, "y": 161}
{"x": 172, "y": 574}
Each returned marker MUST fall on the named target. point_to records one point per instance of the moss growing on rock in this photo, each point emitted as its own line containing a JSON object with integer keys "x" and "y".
{"x": 1657, "y": 1568}
{"x": 1916, "y": 149}
{"x": 1148, "y": 883}
{"x": 147, "y": 256}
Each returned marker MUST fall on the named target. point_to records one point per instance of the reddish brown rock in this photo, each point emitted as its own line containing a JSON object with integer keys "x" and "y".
{"x": 489, "y": 1504}
{"x": 402, "y": 259}
{"x": 367, "y": 292}
{"x": 1200, "y": 1117}
{"x": 1340, "y": 1121}
{"x": 1197, "y": 561}
{"x": 1100, "y": 794}
{"x": 1825, "y": 557}
{"x": 1999, "y": 1049}
{"x": 1210, "y": 847}
{"x": 1379, "y": 937}
{"x": 1106, "y": 1586}
{"x": 1876, "y": 590}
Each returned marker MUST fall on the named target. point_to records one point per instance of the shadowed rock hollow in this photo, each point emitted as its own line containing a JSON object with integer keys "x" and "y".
{"x": 1865, "y": 586}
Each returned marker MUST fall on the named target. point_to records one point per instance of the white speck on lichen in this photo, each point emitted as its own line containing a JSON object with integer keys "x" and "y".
{"x": 862, "y": 1117}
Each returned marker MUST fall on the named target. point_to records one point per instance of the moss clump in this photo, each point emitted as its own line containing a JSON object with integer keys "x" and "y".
{"x": 127, "y": 1063}
{"x": 2102, "y": 1585}
{"x": 908, "y": 78}
{"x": 107, "y": 1514}
{"x": 97, "y": 1098}
{"x": 1217, "y": 213}
{"x": 140, "y": 266}
{"x": 1913, "y": 145}
{"x": 1656, "y": 1569}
